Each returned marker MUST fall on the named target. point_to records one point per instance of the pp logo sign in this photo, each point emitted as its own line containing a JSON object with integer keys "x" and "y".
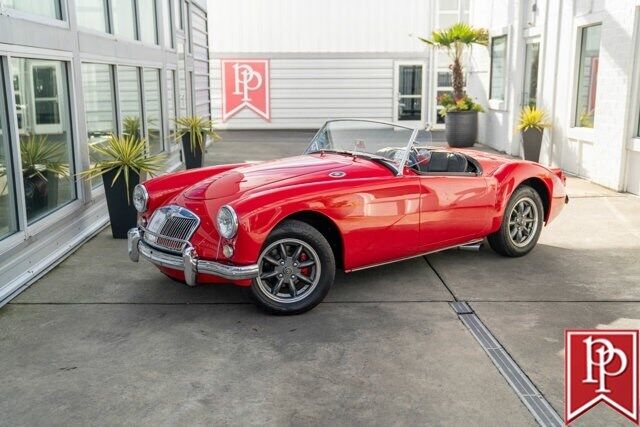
{"x": 601, "y": 366}
{"x": 245, "y": 83}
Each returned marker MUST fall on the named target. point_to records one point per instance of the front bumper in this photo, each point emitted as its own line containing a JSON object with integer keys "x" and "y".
{"x": 188, "y": 262}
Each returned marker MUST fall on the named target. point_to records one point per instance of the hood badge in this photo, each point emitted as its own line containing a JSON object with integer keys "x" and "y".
{"x": 337, "y": 174}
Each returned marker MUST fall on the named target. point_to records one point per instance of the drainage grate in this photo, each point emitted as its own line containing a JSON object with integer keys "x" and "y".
{"x": 539, "y": 407}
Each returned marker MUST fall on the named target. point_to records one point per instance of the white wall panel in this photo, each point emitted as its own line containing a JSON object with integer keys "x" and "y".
{"x": 306, "y": 92}
{"x": 319, "y": 26}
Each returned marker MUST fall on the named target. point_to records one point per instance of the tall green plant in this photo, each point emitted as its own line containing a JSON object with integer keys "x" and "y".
{"x": 125, "y": 154}
{"x": 455, "y": 40}
{"x": 198, "y": 129}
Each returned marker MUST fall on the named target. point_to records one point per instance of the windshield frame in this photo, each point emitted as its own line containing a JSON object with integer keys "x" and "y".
{"x": 400, "y": 167}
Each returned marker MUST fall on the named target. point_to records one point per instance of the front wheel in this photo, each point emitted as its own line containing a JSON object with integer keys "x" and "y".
{"x": 521, "y": 225}
{"x": 296, "y": 269}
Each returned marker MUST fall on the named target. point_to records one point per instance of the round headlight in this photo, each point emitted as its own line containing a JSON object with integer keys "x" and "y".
{"x": 227, "y": 222}
{"x": 140, "y": 198}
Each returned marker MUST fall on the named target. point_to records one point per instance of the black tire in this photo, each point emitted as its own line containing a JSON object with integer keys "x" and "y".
{"x": 319, "y": 274}
{"x": 502, "y": 241}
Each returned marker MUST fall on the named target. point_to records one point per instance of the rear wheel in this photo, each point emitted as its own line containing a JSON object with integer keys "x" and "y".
{"x": 521, "y": 225}
{"x": 296, "y": 269}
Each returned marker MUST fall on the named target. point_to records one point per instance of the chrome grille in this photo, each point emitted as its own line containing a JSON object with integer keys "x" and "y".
{"x": 170, "y": 228}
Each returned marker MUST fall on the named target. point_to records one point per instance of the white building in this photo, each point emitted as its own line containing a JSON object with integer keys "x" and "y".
{"x": 72, "y": 72}
{"x": 579, "y": 60}
{"x": 335, "y": 58}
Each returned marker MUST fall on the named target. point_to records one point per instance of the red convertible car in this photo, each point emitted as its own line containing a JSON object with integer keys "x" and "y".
{"x": 364, "y": 193}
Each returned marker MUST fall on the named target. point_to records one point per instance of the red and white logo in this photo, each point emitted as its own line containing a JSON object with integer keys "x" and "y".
{"x": 245, "y": 83}
{"x": 601, "y": 366}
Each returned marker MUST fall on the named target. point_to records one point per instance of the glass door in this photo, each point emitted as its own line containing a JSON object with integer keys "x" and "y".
{"x": 409, "y": 93}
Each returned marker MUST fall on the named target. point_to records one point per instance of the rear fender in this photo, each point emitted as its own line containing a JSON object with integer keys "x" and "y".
{"x": 510, "y": 176}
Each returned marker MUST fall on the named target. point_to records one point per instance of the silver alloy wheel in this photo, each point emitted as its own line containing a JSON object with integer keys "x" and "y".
{"x": 289, "y": 270}
{"x": 523, "y": 222}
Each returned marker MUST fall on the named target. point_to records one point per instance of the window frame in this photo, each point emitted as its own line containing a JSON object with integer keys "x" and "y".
{"x": 63, "y": 22}
{"x": 575, "y": 74}
{"x": 108, "y": 22}
{"x": 26, "y": 230}
{"x": 499, "y": 103}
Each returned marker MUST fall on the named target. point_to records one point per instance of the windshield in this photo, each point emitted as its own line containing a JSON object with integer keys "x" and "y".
{"x": 367, "y": 138}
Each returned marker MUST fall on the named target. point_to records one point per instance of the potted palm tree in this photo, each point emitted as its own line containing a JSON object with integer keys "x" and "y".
{"x": 193, "y": 132}
{"x": 42, "y": 169}
{"x": 459, "y": 110}
{"x": 123, "y": 161}
{"x": 531, "y": 125}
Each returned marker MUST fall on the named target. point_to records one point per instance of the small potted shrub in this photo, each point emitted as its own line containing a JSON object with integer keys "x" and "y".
{"x": 193, "y": 132}
{"x": 531, "y": 125}
{"x": 42, "y": 169}
{"x": 461, "y": 120}
{"x": 461, "y": 113}
{"x": 123, "y": 161}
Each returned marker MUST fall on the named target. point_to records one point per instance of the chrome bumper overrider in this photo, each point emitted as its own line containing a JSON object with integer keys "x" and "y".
{"x": 187, "y": 262}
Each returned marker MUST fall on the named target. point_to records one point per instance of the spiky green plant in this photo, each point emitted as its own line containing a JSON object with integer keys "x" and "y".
{"x": 532, "y": 118}
{"x": 455, "y": 40}
{"x": 40, "y": 156}
{"x": 198, "y": 129}
{"x": 126, "y": 155}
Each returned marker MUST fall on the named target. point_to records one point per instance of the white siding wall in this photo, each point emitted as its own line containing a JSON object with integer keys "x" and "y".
{"x": 319, "y": 26}
{"x": 604, "y": 154}
{"x": 306, "y": 92}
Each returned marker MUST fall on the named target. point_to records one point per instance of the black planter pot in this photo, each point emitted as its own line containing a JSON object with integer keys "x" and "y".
{"x": 122, "y": 213}
{"x": 461, "y": 128}
{"x": 192, "y": 158}
{"x": 531, "y": 144}
{"x": 41, "y": 192}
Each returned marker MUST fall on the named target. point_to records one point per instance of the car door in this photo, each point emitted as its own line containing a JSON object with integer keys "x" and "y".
{"x": 454, "y": 208}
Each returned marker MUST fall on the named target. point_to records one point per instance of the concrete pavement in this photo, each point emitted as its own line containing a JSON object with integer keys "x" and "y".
{"x": 100, "y": 340}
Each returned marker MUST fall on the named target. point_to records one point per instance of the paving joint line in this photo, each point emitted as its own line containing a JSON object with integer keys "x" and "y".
{"x": 455, "y": 298}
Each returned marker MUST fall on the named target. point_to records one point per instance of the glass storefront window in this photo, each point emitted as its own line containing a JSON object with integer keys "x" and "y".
{"x": 130, "y": 100}
{"x": 46, "y": 8}
{"x": 529, "y": 95}
{"x": 8, "y": 224}
{"x": 42, "y": 110}
{"x": 124, "y": 19}
{"x": 92, "y": 14}
{"x": 153, "y": 109}
{"x": 587, "y": 76}
{"x": 148, "y": 27}
{"x": 498, "y": 64}
{"x": 182, "y": 81}
{"x": 167, "y": 25}
{"x": 171, "y": 102}
{"x": 99, "y": 105}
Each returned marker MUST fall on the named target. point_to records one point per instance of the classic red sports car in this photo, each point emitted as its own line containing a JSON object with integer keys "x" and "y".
{"x": 364, "y": 193}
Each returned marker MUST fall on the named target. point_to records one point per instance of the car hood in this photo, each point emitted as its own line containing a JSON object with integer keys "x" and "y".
{"x": 248, "y": 177}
